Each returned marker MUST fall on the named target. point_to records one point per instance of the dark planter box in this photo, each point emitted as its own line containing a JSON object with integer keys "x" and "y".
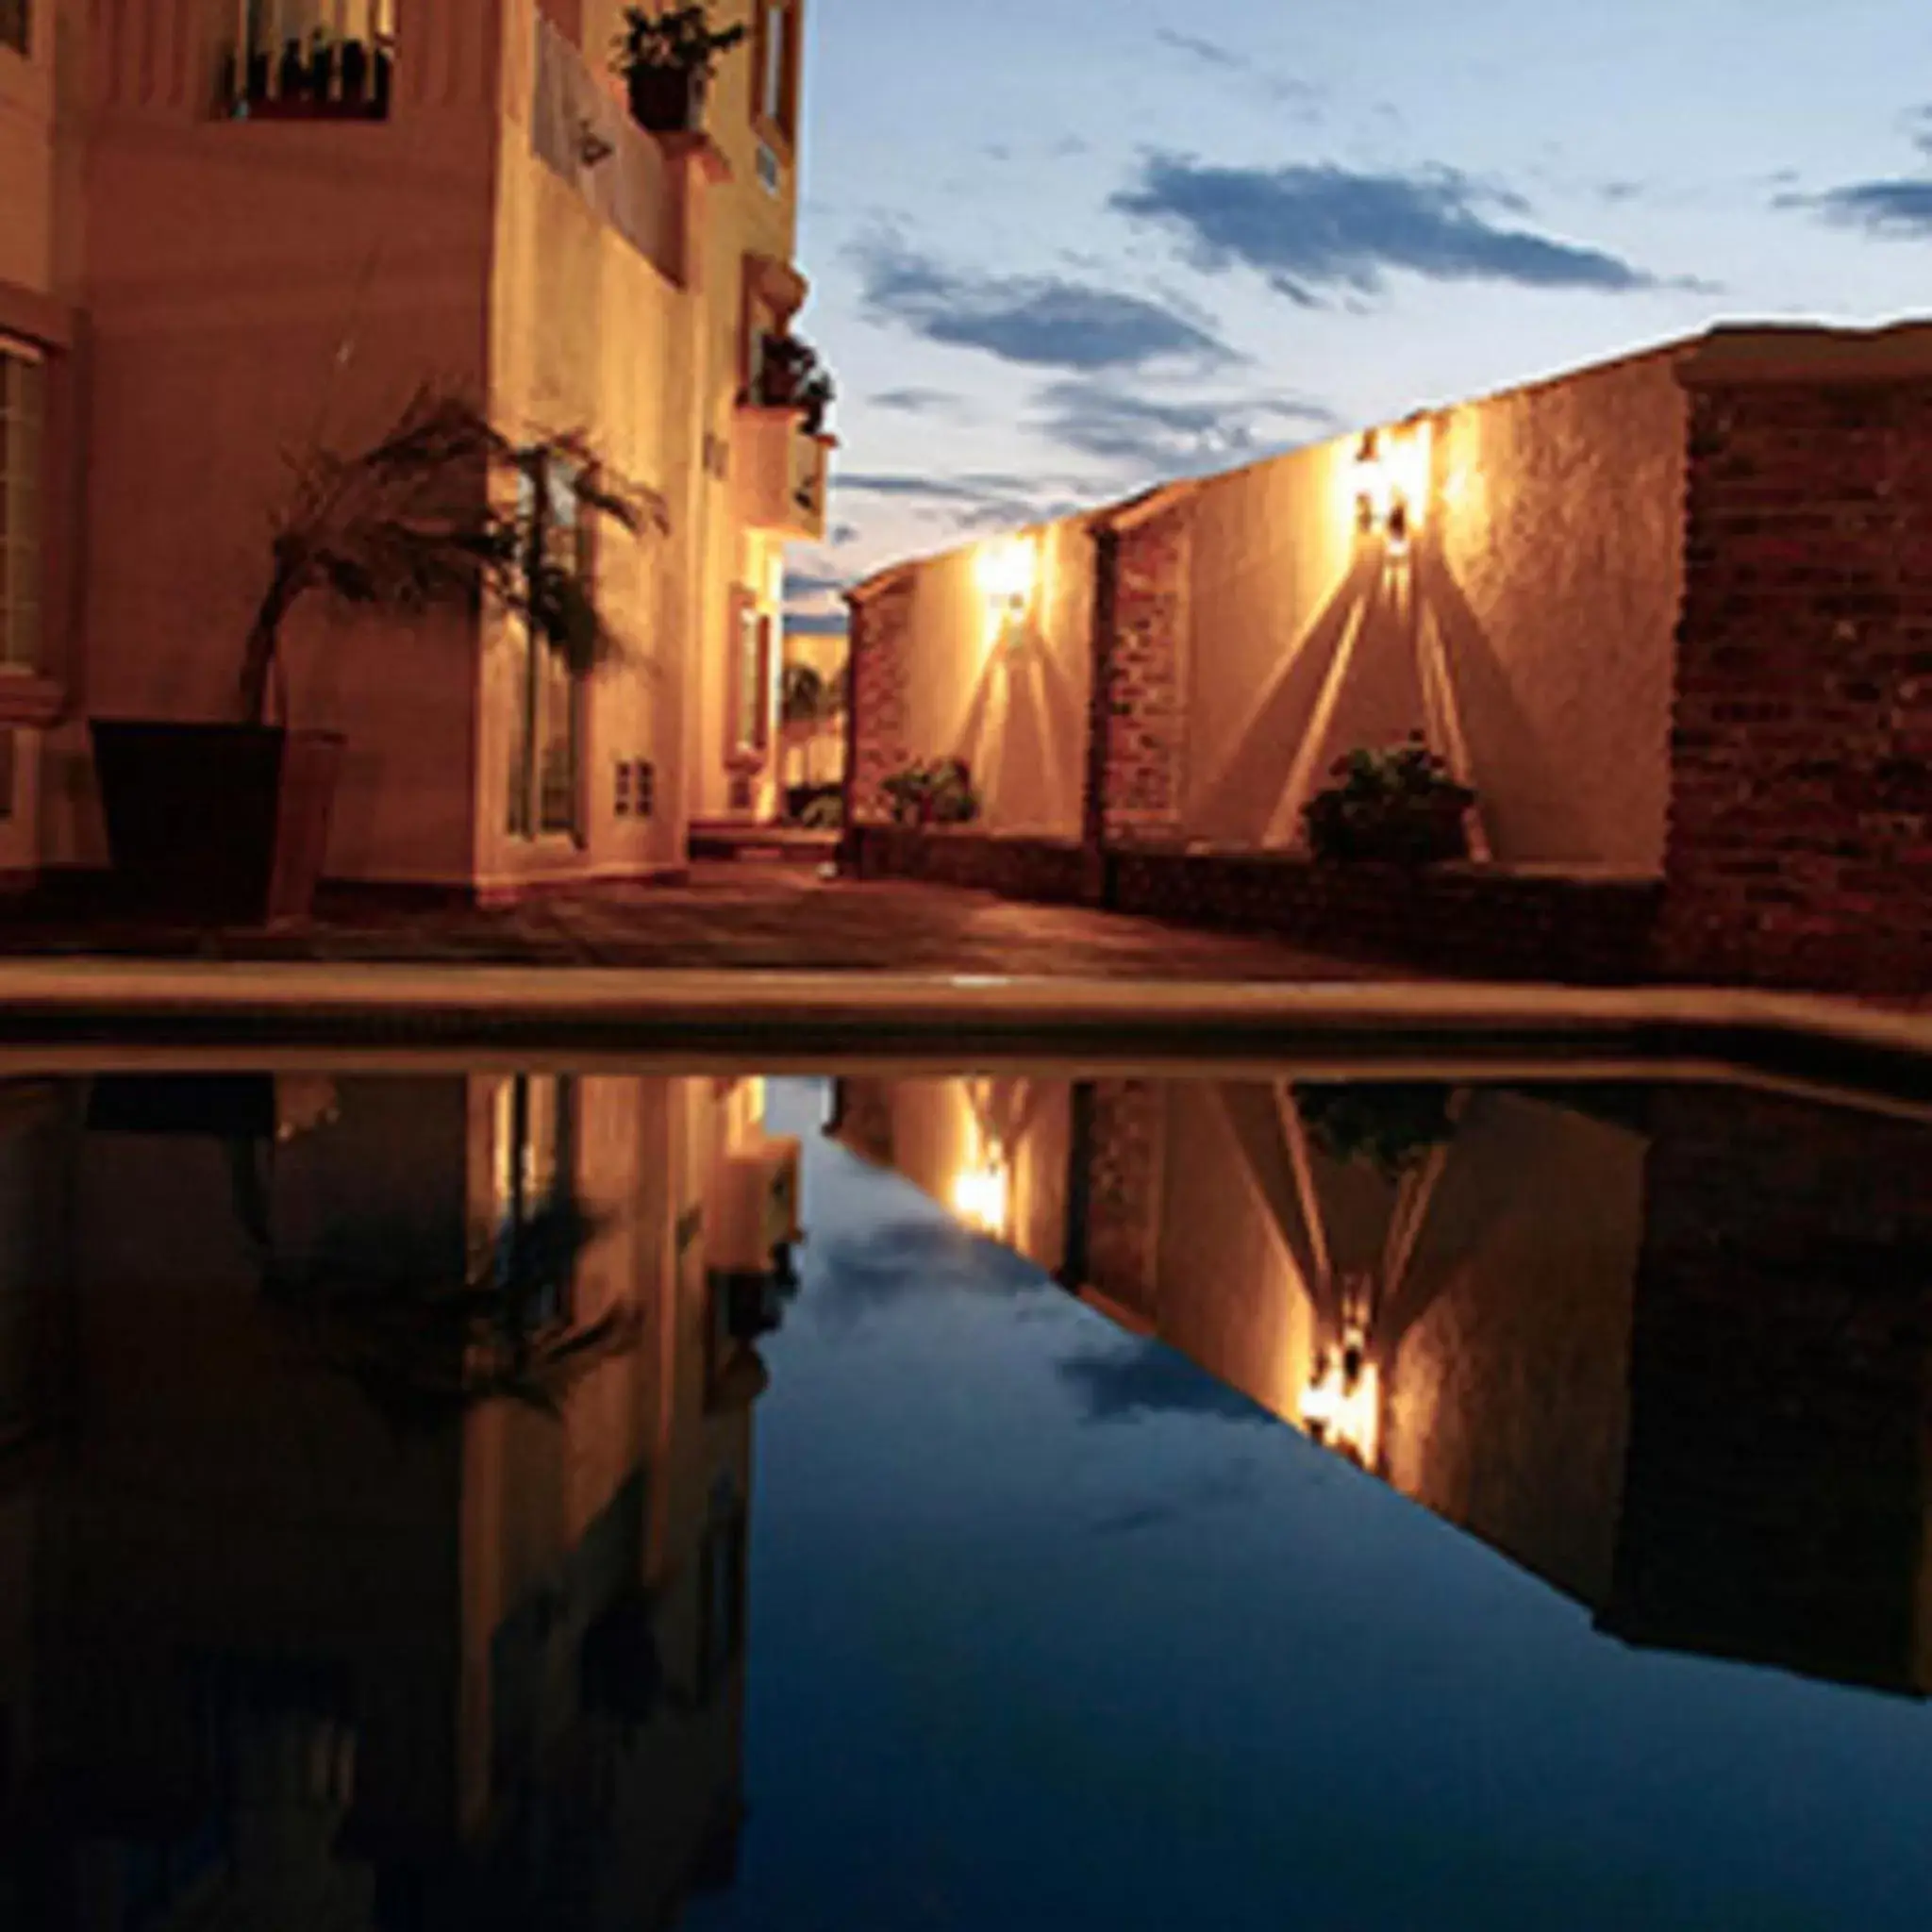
{"x": 217, "y": 824}
{"x": 666, "y": 100}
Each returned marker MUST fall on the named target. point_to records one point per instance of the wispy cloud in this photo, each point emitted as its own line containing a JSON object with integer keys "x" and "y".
{"x": 968, "y": 503}
{"x": 1314, "y": 231}
{"x": 1895, "y": 208}
{"x": 1131, "y": 430}
{"x": 915, "y": 401}
{"x": 1283, "y": 89}
{"x": 1046, "y": 322}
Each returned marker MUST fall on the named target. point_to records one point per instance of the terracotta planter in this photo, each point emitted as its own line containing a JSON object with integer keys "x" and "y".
{"x": 216, "y": 824}
{"x": 666, "y": 100}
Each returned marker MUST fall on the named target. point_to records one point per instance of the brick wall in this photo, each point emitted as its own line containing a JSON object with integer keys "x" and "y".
{"x": 1047, "y": 871}
{"x": 881, "y": 638}
{"x": 1776, "y": 1483}
{"x": 1800, "y": 848}
{"x": 1140, "y": 673}
{"x": 1486, "y": 921}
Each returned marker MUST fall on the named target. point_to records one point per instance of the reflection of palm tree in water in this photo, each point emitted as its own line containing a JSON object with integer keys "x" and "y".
{"x": 425, "y": 1349}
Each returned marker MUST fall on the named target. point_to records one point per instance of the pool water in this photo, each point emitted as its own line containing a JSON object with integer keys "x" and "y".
{"x": 1133, "y": 1503}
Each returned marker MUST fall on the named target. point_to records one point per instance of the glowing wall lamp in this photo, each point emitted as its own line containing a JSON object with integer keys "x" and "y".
{"x": 1008, "y": 570}
{"x": 1341, "y": 1405}
{"x": 1388, "y": 481}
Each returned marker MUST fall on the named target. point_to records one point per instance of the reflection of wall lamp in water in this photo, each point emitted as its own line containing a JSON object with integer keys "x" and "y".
{"x": 979, "y": 1197}
{"x": 1341, "y": 1406}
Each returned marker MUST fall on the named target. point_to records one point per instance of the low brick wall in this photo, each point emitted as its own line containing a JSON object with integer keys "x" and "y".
{"x": 1045, "y": 871}
{"x": 1486, "y": 921}
{"x": 1481, "y": 920}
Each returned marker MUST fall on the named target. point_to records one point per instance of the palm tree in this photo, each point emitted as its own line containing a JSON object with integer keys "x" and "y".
{"x": 444, "y": 509}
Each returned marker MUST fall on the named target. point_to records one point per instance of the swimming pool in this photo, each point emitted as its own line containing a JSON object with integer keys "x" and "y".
{"x": 1136, "y": 1500}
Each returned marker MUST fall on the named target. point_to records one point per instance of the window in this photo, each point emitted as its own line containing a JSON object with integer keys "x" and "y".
{"x": 776, "y": 74}
{"x": 547, "y": 735}
{"x": 309, "y": 60}
{"x": 751, "y": 708}
{"x": 22, "y": 413}
{"x": 15, "y": 21}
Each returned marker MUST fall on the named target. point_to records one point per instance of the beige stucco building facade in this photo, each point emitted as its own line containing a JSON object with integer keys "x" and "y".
{"x": 199, "y": 274}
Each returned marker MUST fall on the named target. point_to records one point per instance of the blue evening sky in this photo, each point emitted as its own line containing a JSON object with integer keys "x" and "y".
{"x": 1063, "y": 248}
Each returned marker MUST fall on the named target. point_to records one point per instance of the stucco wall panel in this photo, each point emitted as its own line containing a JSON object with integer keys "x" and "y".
{"x": 1555, "y": 569}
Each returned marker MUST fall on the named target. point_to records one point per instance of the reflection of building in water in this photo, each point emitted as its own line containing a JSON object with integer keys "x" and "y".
{"x": 1561, "y": 1323}
{"x": 386, "y": 1547}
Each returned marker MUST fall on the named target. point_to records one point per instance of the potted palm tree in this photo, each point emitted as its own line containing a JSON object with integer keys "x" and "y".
{"x": 667, "y": 57}
{"x": 229, "y": 822}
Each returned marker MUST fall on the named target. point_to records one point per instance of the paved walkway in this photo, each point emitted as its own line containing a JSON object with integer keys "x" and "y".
{"x": 729, "y": 918}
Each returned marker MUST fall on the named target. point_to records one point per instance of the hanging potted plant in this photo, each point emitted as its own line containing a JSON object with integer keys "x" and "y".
{"x": 667, "y": 57}
{"x": 228, "y": 822}
{"x": 791, "y": 376}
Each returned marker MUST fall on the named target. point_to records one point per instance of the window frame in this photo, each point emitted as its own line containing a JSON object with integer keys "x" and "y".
{"x": 560, "y": 521}
{"x": 23, "y": 589}
{"x": 777, "y": 122}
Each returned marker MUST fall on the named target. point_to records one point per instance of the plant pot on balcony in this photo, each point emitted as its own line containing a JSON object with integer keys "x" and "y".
{"x": 216, "y": 824}
{"x": 666, "y": 100}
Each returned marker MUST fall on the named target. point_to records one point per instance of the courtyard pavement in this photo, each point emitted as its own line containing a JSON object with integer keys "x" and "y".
{"x": 731, "y": 916}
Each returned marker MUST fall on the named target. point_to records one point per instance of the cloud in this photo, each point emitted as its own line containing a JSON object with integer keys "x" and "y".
{"x": 1223, "y": 59}
{"x": 1896, "y": 209}
{"x": 817, "y": 623}
{"x": 979, "y": 502}
{"x": 1173, "y": 437}
{"x": 1919, "y": 129}
{"x": 905, "y": 1260}
{"x": 1209, "y": 53}
{"x": 1316, "y": 230}
{"x": 1143, "y": 1378}
{"x": 915, "y": 402}
{"x": 802, "y": 584}
{"x": 1044, "y": 322}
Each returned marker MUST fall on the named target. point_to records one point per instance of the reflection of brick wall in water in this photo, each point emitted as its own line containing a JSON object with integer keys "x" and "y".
{"x": 1124, "y": 1142}
{"x": 1774, "y": 1490}
{"x": 863, "y": 1117}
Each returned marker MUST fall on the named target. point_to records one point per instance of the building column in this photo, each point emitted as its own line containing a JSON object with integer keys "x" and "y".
{"x": 1800, "y": 845}
{"x": 1136, "y": 762}
{"x": 880, "y": 642}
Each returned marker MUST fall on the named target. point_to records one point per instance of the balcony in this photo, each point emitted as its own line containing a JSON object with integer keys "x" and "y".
{"x": 779, "y": 471}
{"x": 298, "y": 61}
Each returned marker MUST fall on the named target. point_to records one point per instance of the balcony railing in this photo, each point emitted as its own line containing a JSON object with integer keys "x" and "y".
{"x": 310, "y": 61}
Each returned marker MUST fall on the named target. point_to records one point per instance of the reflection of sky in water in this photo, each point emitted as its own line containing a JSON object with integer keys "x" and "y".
{"x": 1012, "y": 1669}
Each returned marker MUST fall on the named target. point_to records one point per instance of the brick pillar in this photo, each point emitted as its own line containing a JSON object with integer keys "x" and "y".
{"x": 1138, "y": 762}
{"x": 875, "y": 702}
{"x": 1124, "y": 1134}
{"x": 1800, "y": 849}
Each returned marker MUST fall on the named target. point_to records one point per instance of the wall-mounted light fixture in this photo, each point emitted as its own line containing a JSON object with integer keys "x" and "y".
{"x": 1341, "y": 1405}
{"x": 1390, "y": 474}
{"x": 1008, "y": 570}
